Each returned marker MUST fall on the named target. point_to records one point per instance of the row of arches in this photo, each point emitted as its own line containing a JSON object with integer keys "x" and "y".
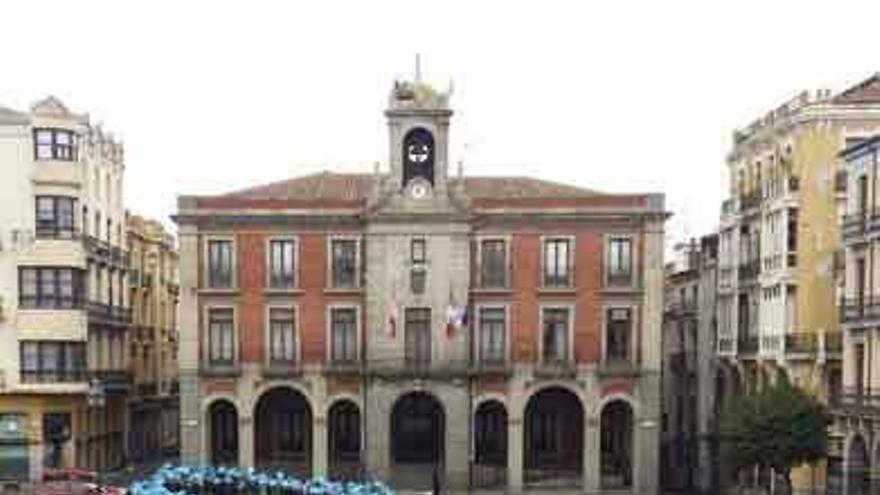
{"x": 553, "y": 437}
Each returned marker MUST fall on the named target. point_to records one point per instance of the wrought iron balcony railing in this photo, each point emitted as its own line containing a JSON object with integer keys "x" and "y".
{"x": 107, "y": 314}
{"x": 748, "y": 344}
{"x": 854, "y": 309}
{"x": 856, "y": 399}
{"x": 801, "y": 343}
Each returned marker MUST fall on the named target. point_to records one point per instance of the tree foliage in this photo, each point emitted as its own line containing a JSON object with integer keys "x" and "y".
{"x": 780, "y": 427}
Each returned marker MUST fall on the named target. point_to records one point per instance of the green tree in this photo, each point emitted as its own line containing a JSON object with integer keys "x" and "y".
{"x": 781, "y": 427}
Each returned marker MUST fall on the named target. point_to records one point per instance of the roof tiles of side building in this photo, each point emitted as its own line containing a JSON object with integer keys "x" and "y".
{"x": 867, "y": 91}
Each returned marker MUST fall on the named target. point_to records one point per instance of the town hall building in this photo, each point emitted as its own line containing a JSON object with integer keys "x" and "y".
{"x": 501, "y": 332}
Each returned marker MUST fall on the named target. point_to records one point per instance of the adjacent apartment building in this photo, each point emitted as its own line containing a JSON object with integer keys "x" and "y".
{"x": 779, "y": 245}
{"x": 690, "y": 447}
{"x": 64, "y": 309}
{"x": 153, "y": 342}
{"x": 499, "y": 331}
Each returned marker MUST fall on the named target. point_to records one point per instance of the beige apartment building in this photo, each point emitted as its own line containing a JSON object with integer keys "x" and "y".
{"x": 154, "y": 292}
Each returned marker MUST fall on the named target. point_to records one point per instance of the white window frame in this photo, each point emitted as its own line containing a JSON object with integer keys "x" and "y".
{"x": 206, "y": 253}
{"x": 634, "y": 323}
{"x": 633, "y": 259}
{"x": 357, "y": 260}
{"x": 479, "y": 333}
{"x": 507, "y": 263}
{"x": 296, "y": 257}
{"x": 206, "y": 333}
{"x": 328, "y": 329}
{"x": 572, "y": 247}
{"x": 267, "y": 335}
{"x": 571, "y": 318}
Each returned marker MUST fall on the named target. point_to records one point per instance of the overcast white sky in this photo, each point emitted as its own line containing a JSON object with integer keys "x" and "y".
{"x": 618, "y": 96}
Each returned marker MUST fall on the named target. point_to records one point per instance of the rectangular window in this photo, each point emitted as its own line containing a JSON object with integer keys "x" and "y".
{"x": 281, "y": 259}
{"x": 344, "y": 262}
{"x": 282, "y": 336}
{"x": 493, "y": 263}
{"x": 54, "y": 144}
{"x": 557, "y": 257}
{"x": 219, "y": 264}
{"x": 492, "y": 335}
{"x": 617, "y": 336}
{"x": 54, "y": 217}
{"x": 555, "y": 334}
{"x": 417, "y": 329}
{"x": 418, "y": 251}
{"x": 620, "y": 261}
{"x": 221, "y": 335}
{"x": 50, "y": 288}
{"x": 343, "y": 334}
{"x": 52, "y": 361}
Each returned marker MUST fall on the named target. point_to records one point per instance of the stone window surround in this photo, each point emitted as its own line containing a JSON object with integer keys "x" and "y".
{"x": 572, "y": 246}
{"x": 267, "y": 335}
{"x": 633, "y": 259}
{"x": 206, "y": 334}
{"x": 506, "y": 239}
{"x": 634, "y": 325}
{"x": 296, "y": 258}
{"x": 206, "y": 240}
{"x": 357, "y": 259}
{"x": 328, "y": 328}
{"x": 479, "y": 329}
{"x": 540, "y": 333}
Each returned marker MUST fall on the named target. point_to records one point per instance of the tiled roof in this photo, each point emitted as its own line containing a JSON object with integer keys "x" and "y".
{"x": 331, "y": 189}
{"x": 867, "y": 91}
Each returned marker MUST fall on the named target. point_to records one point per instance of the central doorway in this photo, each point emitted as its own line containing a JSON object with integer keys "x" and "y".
{"x": 283, "y": 431}
{"x": 417, "y": 446}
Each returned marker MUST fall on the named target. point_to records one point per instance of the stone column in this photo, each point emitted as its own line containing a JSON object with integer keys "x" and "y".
{"x": 319, "y": 445}
{"x": 592, "y": 453}
{"x": 514, "y": 454}
{"x": 246, "y": 441}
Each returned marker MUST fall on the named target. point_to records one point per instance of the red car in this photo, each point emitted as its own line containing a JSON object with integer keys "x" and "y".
{"x": 74, "y": 481}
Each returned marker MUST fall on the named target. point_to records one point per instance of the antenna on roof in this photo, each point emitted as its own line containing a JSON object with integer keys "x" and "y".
{"x": 418, "y": 77}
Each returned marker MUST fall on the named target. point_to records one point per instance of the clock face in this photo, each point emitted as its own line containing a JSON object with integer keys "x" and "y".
{"x": 419, "y": 191}
{"x": 418, "y": 153}
{"x": 418, "y": 156}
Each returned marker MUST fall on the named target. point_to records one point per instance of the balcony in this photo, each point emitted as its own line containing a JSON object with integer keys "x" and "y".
{"x": 281, "y": 369}
{"x": 859, "y": 309}
{"x": 148, "y": 389}
{"x": 801, "y": 343}
{"x": 749, "y": 270}
{"x": 748, "y": 345}
{"x": 682, "y": 309}
{"x": 834, "y": 343}
{"x": 750, "y": 202}
{"x": 105, "y": 314}
{"x": 725, "y": 345}
{"x": 112, "y": 380}
{"x": 855, "y": 400}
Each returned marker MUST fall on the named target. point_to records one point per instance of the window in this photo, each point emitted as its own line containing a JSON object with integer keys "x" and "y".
{"x": 221, "y": 335}
{"x": 219, "y": 264}
{"x": 417, "y": 328}
{"x": 54, "y": 217}
{"x": 50, "y": 288}
{"x": 53, "y": 144}
{"x": 493, "y": 263}
{"x": 492, "y": 334}
{"x": 556, "y": 263}
{"x": 281, "y": 259}
{"x": 344, "y": 262}
{"x": 555, "y": 334}
{"x": 619, "y": 261}
{"x": 281, "y": 336}
{"x": 617, "y": 337}
{"x": 417, "y": 251}
{"x": 343, "y": 334}
{"x": 85, "y": 220}
{"x": 51, "y": 361}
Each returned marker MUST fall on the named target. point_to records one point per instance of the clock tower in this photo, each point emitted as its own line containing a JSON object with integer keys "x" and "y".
{"x": 418, "y": 123}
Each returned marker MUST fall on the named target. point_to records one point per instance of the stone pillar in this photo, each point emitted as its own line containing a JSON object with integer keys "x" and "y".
{"x": 319, "y": 445}
{"x": 245, "y": 441}
{"x": 515, "y": 451}
{"x": 592, "y": 453}
{"x": 646, "y": 455}
{"x": 376, "y": 432}
{"x": 457, "y": 445}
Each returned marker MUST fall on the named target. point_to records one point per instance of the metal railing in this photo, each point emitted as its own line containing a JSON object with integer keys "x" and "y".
{"x": 856, "y": 399}
{"x": 853, "y": 309}
{"x": 109, "y": 314}
{"x": 748, "y": 344}
{"x": 801, "y": 343}
{"x": 750, "y": 201}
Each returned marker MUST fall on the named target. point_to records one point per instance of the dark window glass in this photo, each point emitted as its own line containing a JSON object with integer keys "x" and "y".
{"x": 54, "y": 144}
{"x": 492, "y": 334}
{"x": 50, "y": 288}
{"x": 52, "y": 361}
{"x": 282, "y": 336}
{"x": 344, "y": 262}
{"x": 54, "y": 217}
{"x": 220, "y": 264}
{"x": 417, "y": 251}
{"x": 417, "y": 329}
{"x": 343, "y": 334}
{"x": 557, "y": 258}
{"x": 617, "y": 338}
{"x": 555, "y": 334}
{"x": 619, "y": 261}
{"x": 221, "y": 336}
{"x": 493, "y": 263}
{"x": 281, "y": 269}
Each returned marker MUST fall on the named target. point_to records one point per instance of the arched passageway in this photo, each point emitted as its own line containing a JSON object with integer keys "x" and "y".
{"x": 283, "y": 431}
{"x": 616, "y": 445}
{"x": 223, "y": 433}
{"x": 554, "y": 439}
{"x": 490, "y": 444}
{"x": 344, "y": 440}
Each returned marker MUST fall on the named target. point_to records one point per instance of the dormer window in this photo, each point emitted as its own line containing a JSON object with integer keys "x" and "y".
{"x": 54, "y": 144}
